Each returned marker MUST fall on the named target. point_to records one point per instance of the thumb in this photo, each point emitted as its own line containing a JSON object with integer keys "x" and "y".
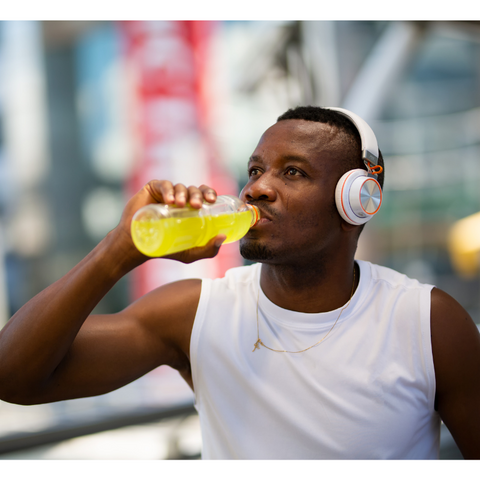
{"x": 212, "y": 248}
{"x": 209, "y": 250}
{"x": 218, "y": 241}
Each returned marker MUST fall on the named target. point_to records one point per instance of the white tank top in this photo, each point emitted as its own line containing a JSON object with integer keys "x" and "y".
{"x": 366, "y": 392}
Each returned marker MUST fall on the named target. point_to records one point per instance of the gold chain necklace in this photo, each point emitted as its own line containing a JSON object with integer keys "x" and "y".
{"x": 259, "y": 342}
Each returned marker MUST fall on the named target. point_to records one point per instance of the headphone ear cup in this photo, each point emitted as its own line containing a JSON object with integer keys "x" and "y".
{"x": 358, "y": 197}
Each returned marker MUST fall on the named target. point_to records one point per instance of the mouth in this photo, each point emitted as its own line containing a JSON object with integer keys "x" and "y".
{"x": 262, "y": 221}
{"x": 265, "y": 216}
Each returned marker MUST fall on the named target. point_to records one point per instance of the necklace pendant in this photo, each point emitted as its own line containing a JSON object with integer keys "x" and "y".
{"x": 257, "y": 345}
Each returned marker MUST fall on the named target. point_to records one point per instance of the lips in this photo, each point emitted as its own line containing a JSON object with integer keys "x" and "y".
{"x": 265, "y": 215}
{"x": 262, "y": 221}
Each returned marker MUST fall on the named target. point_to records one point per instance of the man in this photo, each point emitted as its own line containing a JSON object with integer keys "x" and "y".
{"x": 306, "y": 354}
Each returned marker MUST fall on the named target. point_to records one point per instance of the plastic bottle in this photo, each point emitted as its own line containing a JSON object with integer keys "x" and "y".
{"x": 159, "y": 229}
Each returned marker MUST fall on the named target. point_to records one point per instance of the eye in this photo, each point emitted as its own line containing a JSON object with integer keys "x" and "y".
{"x": 293, "y": 171}
{"x": 253, "y": 171}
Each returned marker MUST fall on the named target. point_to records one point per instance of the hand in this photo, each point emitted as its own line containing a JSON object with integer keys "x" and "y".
{"x": 209, "y": 250}
{"x": 163, "y": 191}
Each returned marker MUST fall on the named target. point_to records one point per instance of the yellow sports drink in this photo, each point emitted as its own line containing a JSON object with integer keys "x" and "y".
{"x": 159, "y": 229}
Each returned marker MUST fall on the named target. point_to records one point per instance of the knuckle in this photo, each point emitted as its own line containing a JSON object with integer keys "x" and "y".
{"x": 194, "y": 191}
{"x": 161, "y": 183}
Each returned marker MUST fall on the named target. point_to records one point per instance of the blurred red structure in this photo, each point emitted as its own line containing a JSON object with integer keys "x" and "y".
{"x": 169, "y": 63}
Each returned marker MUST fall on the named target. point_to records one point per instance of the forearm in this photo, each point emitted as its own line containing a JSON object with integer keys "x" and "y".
{"x": 38, "y": 336}
{"x": 42, "y": 353}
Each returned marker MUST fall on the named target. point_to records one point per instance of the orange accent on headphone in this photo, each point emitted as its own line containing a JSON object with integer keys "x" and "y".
{"x": 374, "y": 169}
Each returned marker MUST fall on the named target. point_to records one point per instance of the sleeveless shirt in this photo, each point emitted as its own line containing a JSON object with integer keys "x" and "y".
{"x": 366, "y": 392}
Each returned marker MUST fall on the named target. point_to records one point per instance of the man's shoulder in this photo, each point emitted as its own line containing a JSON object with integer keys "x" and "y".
{"x": 387, "y": 275}
{"x": 241, "y": 274}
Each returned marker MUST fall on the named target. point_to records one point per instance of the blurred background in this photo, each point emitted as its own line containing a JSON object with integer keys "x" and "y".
{"x": 90, "y": 111}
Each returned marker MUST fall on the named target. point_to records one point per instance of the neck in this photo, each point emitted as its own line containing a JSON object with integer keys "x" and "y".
{"x": 309, "y": 289}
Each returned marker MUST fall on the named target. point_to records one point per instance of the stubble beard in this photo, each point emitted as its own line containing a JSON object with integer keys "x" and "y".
{"x": 254, "y": 251}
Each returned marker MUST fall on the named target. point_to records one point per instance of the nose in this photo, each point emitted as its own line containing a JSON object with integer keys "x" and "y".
{"x": 259, "y": 188}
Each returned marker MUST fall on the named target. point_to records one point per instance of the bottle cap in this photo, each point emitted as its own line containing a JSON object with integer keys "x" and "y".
{"x": 256, "y": 214}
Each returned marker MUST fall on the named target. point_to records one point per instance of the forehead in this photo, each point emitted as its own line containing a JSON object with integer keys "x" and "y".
{"x": 301, "y": 138}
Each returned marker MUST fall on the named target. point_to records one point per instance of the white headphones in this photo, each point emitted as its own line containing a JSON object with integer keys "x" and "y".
{"x": 358, "y": 194}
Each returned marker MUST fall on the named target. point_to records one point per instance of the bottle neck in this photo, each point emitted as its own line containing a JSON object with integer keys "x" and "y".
{"x": 255, "y": 214}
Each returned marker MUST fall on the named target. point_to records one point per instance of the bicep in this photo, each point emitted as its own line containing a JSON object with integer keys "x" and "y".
{"x": 456, "y": 355}
{"x": 111, "y": 351}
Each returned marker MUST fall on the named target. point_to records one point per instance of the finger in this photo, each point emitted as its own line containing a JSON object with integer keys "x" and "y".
{"x": 218, "y": 241}
{"x": 210, "y": 250}
{"x": 161, "y": 191}
{"x": 181, "y": 194}
{"x": 209, "y": 194}
{"x": 195, "y": 197}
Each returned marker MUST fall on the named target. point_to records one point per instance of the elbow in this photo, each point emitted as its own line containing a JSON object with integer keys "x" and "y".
{"x": 18, "y": 385}
{"x": 16, "y": 400}
{"x": 11, "y": 391}
{"x": 10, "y": 395}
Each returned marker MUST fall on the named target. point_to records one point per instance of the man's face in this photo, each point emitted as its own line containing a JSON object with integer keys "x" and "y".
{"x": 292, "y": 177}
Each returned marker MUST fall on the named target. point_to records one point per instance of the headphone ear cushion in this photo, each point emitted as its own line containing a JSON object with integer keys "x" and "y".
{"x": 357, "y": 196}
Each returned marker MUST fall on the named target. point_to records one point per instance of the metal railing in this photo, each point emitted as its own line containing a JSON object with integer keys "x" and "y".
{"x": 58, "y": 433}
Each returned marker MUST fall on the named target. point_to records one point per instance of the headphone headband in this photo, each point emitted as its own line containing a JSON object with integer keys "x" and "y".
{"x": 358, "y": 194}
{"x": 369, "y": 141}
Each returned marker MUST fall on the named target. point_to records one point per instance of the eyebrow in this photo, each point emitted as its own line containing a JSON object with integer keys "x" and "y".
{"x": 286, "y": 158}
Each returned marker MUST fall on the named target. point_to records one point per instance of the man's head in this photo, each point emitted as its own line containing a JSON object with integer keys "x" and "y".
{"x": 293, "y": 174}
{"x": 352, "y": 141}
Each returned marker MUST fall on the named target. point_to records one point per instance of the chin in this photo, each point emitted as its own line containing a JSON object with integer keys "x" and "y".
{"x": 255, "y": 251}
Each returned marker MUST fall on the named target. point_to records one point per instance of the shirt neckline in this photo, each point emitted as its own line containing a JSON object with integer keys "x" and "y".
{"x": 303, "y": 320}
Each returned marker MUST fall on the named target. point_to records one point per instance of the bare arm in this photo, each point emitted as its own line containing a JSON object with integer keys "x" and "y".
{"x": 456, "y": 354}
{"x": 52, "y": 349}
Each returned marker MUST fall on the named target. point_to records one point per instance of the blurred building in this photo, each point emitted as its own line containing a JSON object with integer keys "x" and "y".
{"x": 73, "y": 101}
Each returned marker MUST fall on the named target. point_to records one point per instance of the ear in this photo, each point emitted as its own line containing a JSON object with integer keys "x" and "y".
{"x": 348, "y": 227}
